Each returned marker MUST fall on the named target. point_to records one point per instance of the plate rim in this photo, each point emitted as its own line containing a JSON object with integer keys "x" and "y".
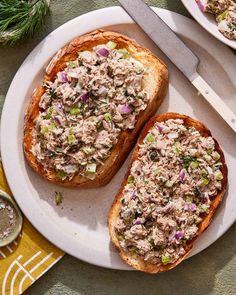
{"x": 120, "y": 18}
{"x": 188, "y": 5}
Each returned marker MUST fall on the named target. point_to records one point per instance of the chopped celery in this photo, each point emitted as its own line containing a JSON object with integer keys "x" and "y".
{"x": 165, "y": 259}
{"x": 169, "y": 183}
{"x": 91, "y": 168}
{"x": 156, "y": 172}
{"x": 52, "y": 126}
{"x": 71, "y": 64}
{"x": 176, "y": 148}
{"x": 49, "y": 113}
{"x": 218, "y": 175}
{"x": 75, "y": 110}
{"x": 71, "y": 137}
{"x": 204, "y": 173}
{"x": 194, "y": 164}
{"x": 209, "y": 152}
{"x": 98, "y": 124}
{"x": 44, "y": 130}
{"x": 108, "y": 117}
{"x": 216, "y": 156}
{"x": 119, "y": 237}
{"x": 61, "y": 174}
{"x": 94, "y": 119}
{"x": 198, "y": 220}
{"x": 88, "y": 150}
{"x": 189, "y": 198}
{"x": 111, "y": 45}
{"x": 130, "y": 179}
{"x": 124, "y": 52}
{"x": 204, "y": 181}
{"x": 204, "y": 208}
{"x": 222, "y": 16}
{"x": 150, "y": 138}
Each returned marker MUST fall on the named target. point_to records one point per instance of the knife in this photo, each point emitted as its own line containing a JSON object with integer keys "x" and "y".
{"x": 180, "y": 55}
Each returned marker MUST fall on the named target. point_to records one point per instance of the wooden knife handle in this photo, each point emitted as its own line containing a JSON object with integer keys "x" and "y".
{"x": 215, "y": 101}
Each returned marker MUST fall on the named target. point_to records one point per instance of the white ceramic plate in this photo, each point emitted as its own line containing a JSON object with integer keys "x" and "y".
{"x": 207, "y": 21}
{"x": 79, "y": 225}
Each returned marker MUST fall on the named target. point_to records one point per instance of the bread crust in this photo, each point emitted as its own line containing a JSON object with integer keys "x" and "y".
{"x": 133, "y": 259}
{"x": 155, "y": 83}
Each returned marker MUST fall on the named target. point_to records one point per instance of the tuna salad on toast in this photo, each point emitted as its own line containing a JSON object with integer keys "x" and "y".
{"x": 176, "y": 179}
{"x": 97, "y": 93}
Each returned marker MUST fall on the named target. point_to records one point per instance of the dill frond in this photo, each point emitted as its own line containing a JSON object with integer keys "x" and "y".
{"x": 20, "y": 19}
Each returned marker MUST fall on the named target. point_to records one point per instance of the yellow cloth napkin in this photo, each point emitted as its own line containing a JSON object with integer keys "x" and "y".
{"x": 26, "y": 259}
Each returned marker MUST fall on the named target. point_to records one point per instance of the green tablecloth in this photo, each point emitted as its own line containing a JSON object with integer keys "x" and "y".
{"x": 211, "y": 272}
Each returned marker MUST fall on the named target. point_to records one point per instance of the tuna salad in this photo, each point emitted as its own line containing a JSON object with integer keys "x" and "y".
{"x": 225, "y": 13}
{"x": 169, "y": 189}
{"x": 83, "y": 111}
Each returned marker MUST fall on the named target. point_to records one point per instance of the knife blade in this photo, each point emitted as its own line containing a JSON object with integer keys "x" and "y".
{"x": 179, "y": 54}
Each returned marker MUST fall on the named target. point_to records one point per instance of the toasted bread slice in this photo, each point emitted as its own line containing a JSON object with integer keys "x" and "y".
{"x": 133, "y": 259}
{"x": 155, "y": 83}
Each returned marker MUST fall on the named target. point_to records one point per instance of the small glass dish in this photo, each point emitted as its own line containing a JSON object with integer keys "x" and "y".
{"x": 19, "y": 220}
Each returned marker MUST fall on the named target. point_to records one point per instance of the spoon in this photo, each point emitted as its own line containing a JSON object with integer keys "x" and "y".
{"x": 19, "y": 220}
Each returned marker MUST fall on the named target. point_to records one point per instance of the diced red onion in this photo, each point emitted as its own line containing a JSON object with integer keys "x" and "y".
{"x": 190, "y": 207}
{"x": 58, "y": 119}
{"x": 125, "y": 109}
{"x": 160, "y": 128}
{"x": 186, "y": 206}
{"x": 103, "y": 52}
{"x": 182, "y": 175}
{"x": 58, "y": 108}
{"x": 193, "y": 207}
{"x": 201, "y": 5}
{"x": 205, "y": 198}
{"x": 59, "y": 105}
{"x": 139, "y": 221}
{"x": 172, "y": 235}
{"x": 62, "y": 77}
{"x": 133, "y": 196}
{"x": 149, "y": 199}
{"x": 85, "y": 97}
{"x": 179, "y": 235}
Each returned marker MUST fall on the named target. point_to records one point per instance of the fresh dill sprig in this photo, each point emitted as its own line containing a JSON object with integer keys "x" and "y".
{"x": 20, "y": 19}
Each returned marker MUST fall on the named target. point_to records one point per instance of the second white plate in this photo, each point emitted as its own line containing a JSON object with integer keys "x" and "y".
{"x": 79, "y": 224}
{"x": 207, "y": 21}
